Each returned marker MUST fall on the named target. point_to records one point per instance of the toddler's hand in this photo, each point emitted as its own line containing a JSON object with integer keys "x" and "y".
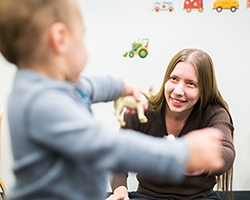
{"x": 205, "y": 149}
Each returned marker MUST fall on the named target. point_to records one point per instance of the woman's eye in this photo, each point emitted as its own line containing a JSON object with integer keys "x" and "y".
{"x": 192, "y": 84}
{"x": 173, "y": 78}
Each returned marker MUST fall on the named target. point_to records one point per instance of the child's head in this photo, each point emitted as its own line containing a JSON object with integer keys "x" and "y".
{"x": 32, "y": 30}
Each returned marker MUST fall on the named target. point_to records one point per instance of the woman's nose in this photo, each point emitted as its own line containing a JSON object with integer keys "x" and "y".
{"x": 179, "y": 89}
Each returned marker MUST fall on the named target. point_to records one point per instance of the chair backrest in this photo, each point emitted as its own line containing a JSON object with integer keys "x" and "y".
{"x": 2, "y": 186}
{"x": 2, "y": 189}
{"x": 1, "y": 117}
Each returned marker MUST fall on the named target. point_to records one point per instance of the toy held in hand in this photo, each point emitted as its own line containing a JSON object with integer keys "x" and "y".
{"x": 132, "y": 106}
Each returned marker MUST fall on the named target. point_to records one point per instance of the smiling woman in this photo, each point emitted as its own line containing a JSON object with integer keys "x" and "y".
{"x": 188, "y": 100}
{"x": 181, "y": 92}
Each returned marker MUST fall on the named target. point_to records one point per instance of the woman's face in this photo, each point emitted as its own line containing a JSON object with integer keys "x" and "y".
{"x": 181, "y": 90}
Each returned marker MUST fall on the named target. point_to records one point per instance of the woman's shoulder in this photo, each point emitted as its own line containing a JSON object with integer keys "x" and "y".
{"x": 213, "y": 107}
{"x": 213, "y": 110}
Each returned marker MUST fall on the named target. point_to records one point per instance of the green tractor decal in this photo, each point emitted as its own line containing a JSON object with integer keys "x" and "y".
{"x": 140, "y": 48}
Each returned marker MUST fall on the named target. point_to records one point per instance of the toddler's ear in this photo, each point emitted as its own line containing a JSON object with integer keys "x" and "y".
{"x": 59, "y": 37}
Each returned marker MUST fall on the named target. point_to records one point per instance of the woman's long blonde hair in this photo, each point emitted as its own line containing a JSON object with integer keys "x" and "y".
{"x": 209, "y": 92}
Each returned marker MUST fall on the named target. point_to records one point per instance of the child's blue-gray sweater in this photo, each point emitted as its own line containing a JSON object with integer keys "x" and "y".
{"x": 62, "y": 152}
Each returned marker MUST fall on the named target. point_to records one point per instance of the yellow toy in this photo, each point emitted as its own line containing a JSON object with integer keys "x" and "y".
{"x": 219, "y": 5}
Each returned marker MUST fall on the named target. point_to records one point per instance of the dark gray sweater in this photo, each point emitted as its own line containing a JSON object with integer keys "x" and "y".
{"x": 192, "y": 186}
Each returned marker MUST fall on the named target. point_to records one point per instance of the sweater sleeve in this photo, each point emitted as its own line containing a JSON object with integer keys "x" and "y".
{"x": 74, "y": 133}
{"x": 120, "y": 179}
{"x": 101, "y": 88}
{"x": 219, "y": 118}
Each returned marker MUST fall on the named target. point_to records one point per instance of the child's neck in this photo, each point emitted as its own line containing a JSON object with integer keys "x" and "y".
{"x": 49, "y": 71}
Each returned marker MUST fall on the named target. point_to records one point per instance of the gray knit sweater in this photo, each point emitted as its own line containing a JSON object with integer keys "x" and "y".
{"x": 62, "y": 152}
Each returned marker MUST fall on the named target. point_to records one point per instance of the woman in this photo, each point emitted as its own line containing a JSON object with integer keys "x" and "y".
{"x": 189, "y": 99}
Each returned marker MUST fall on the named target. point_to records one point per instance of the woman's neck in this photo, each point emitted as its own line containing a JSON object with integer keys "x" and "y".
{"x": 175, "y": 121}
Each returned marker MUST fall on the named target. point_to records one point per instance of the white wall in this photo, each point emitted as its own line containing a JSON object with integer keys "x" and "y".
{"x": 112, "y": 26}
{"x": 7, "y": 72}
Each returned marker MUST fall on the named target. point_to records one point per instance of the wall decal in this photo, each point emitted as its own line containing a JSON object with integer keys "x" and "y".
{"x": 248, "y": 4}
{"x": 219, "y": 5}
{"x": 138, "y": 48}
{"x": 193, "y": 4}
{"x": 163, "y": 6}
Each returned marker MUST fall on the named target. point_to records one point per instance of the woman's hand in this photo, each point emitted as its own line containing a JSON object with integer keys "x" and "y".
{"x": 195, "y": 172}
{"x": 120, "y": 193}
{"x": 117, "y": 197}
